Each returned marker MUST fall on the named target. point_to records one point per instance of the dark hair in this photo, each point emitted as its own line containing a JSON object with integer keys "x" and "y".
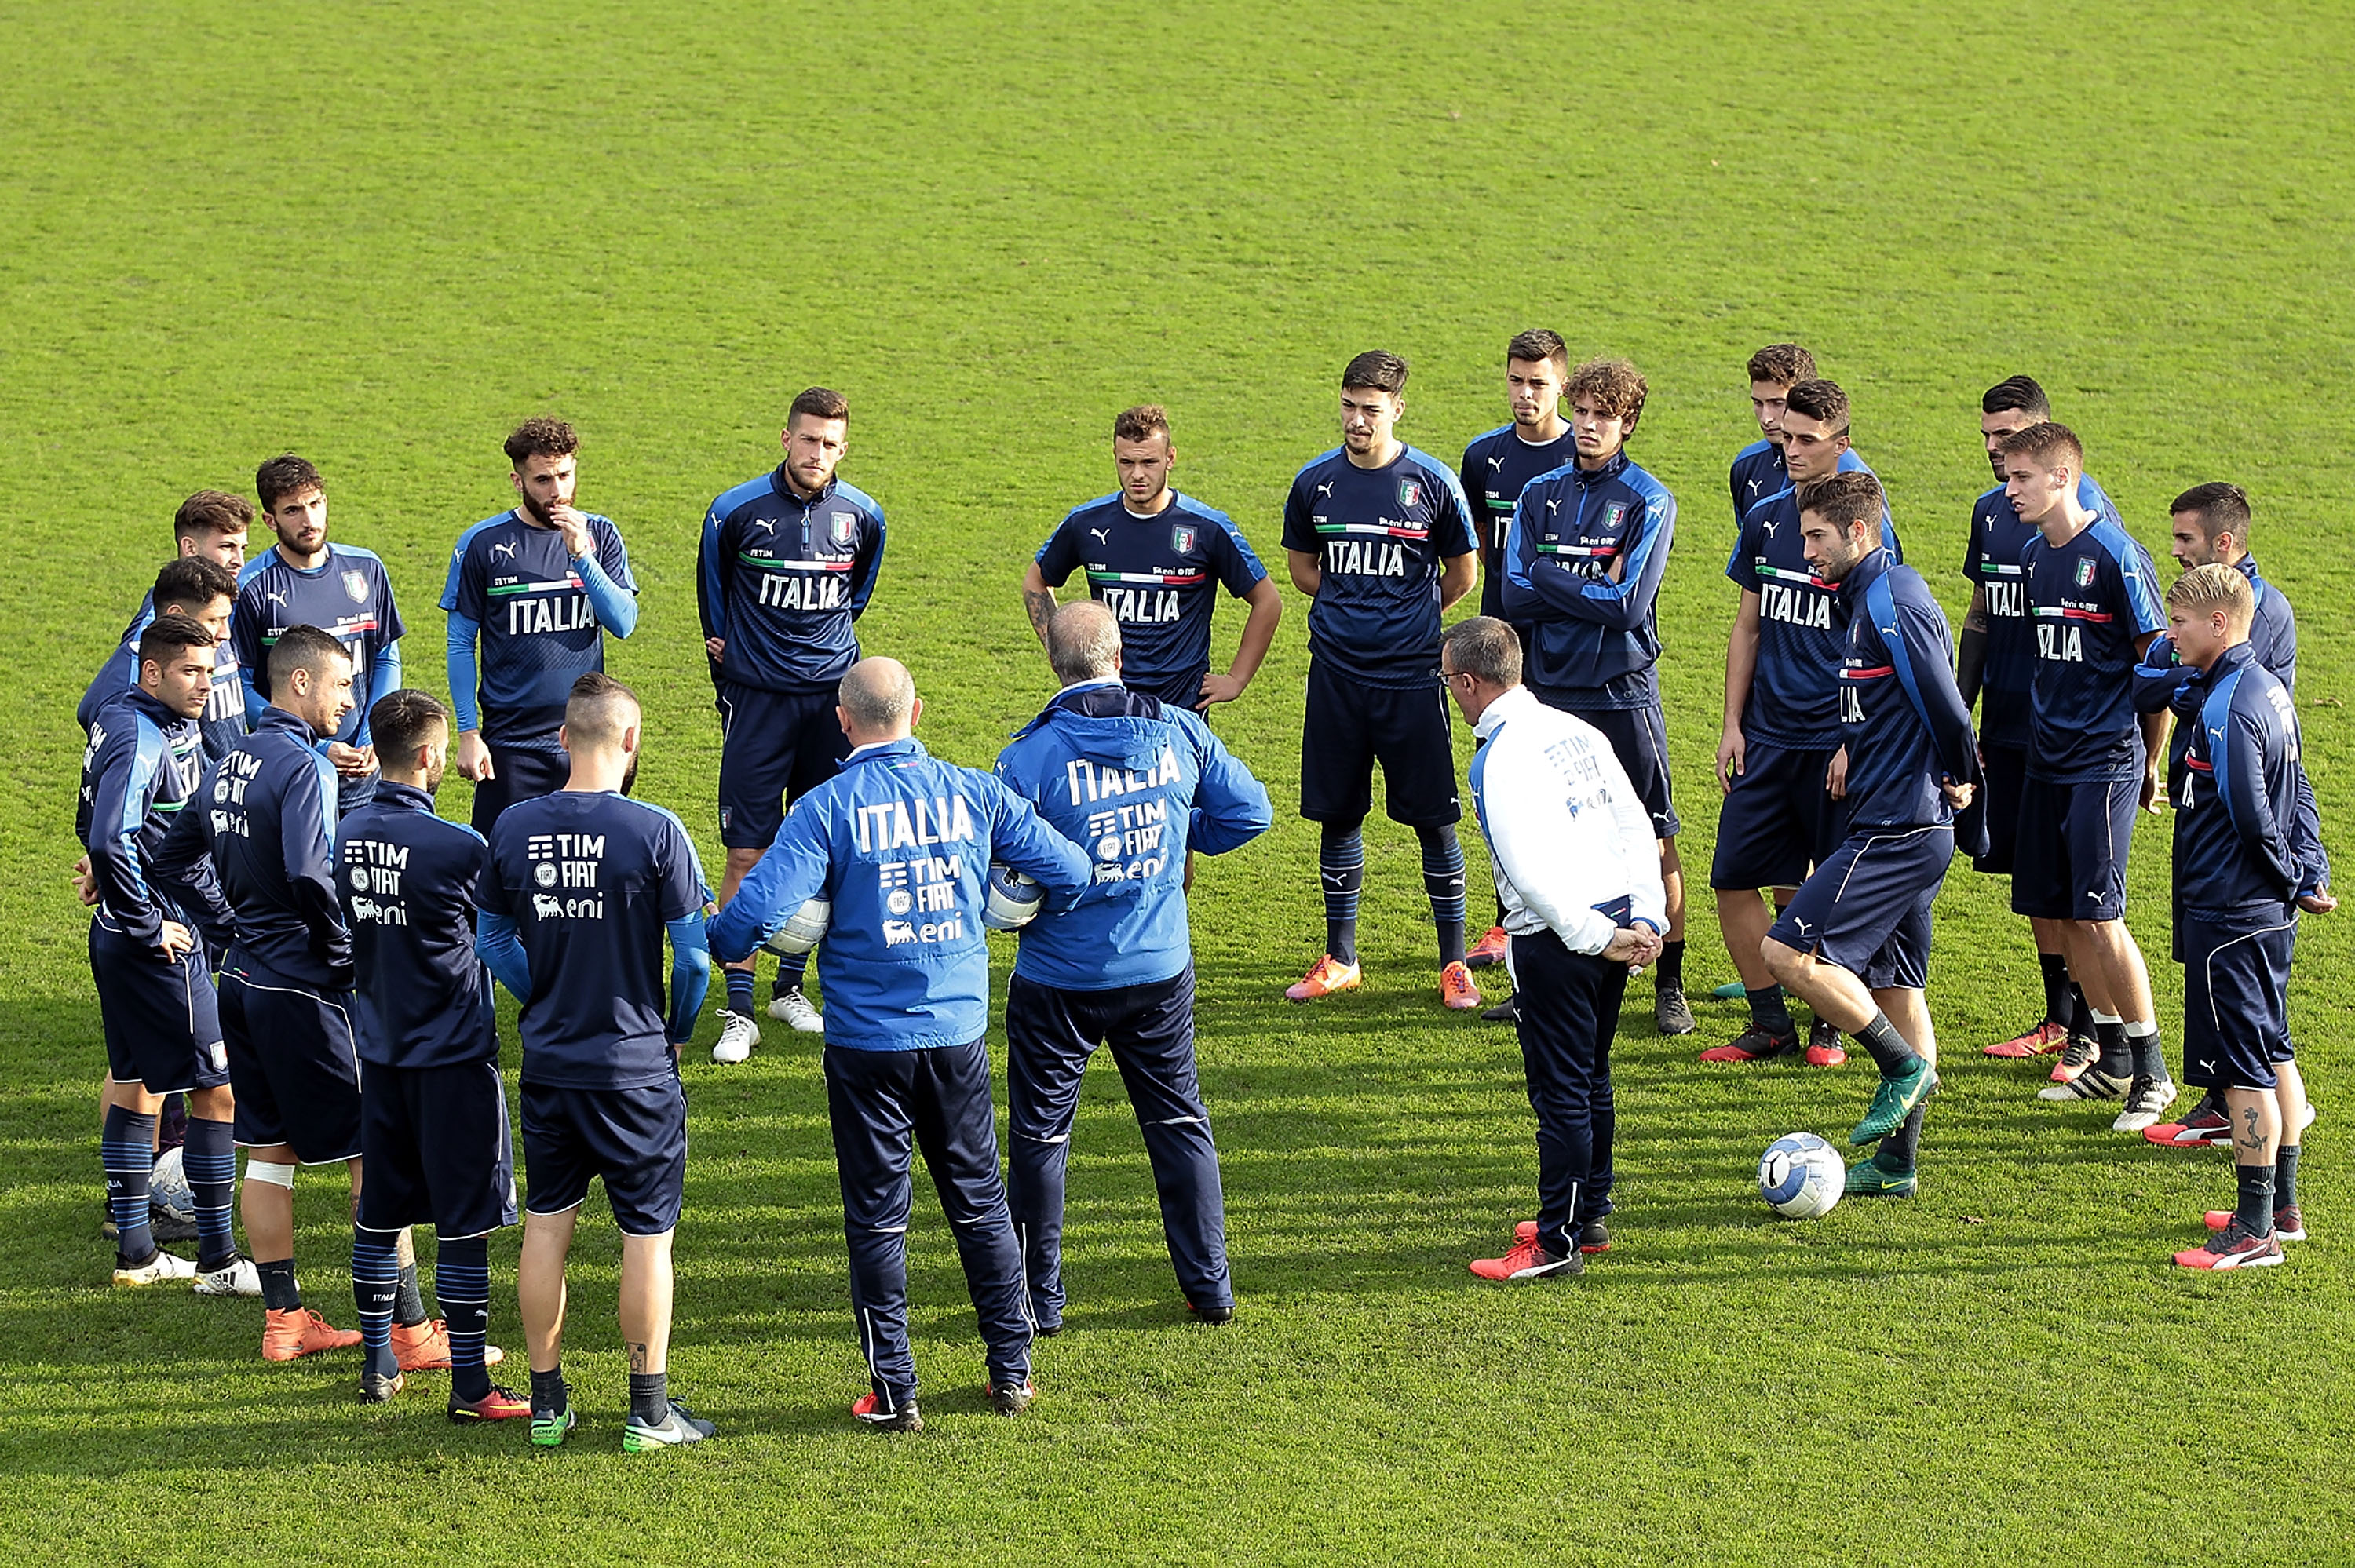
{"x": 284, "y": 476}
{"x": 304, "y": 648}
{"x": 2221, "y": 508}
{"x": 1783, "y": 364}
{"x": 821, "y": 403}
{"x": 2049, "y": 442}
{"x": 1487, "y": 649}
{"x": 2017, "y": 394}
{"x": 192, "y": 582}
{"x": 211, "y": 512}
{"x": 1538, "y": 345}
{"x": 168, "y": 634}
{"x": 542, "y": 436}
{"x": 1138, "y": 424}
{"x": 592, "y": 713}
{"x": 1615, "y": 387}
{"x": 1375, "y": 370}
{"x": 1847, "y": 501}
{"x": 404, "y": 720}
{"x": 1819, "y": 400}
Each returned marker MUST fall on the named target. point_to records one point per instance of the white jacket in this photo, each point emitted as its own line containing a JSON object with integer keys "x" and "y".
{"x": 1565, "y": 831}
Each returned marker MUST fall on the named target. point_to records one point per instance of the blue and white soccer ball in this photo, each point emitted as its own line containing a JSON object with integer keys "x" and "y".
{"x": 1801, "y": 1176}
{"x": 1010, "y": 900}
{"x": 168, "y": 1188}
{"x": 801, "y": 929}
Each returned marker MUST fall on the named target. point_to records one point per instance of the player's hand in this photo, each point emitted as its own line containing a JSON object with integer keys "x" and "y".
{"x": 1217, "y": 689}
{"x": 176, "y": 940}
{"x": 2154, "y": 791}
{"x": 573, "y": 524}
{"x": 717, "y": 647}
{"x": 351, "y": 761}
{"x": 1733, "y": 753}
{"x": 475, "y": 757}
{"x": 85, "y": 882}
{"x": 1958, "y": 795}
{"x": 1836, "y": 776}
{"x": 2317, "y": 901}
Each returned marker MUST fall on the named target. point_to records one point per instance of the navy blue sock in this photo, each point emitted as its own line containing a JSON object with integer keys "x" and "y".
{"x": 2056, "y": 987}
{"x": 1768, "y": 1011}
{"x": 127, "y": 1149}
{"x": 209, "y": 1158}
{"x": 1887, "y": 1047}
{"x": 2144, "y": 1051}
{"x": 2115, "y": 1059}
{"x": 2255, "y": 1207}
{"x": 2285, "y": 1176}
{"x": 2081, "y": 1013}
{"x": 1341, "y": 866}
{"x": 739, "y": 992}
{"x": 1669, "y": 969}
{"x": 792, "y": 969}
{"x": 1442, "y": 883}
{"x": 279, "y": 1291}
{"x": 376, "y": 1282}
{"x": 462, "y": 1289}
{"x": 548, "y": 1394}
{"x": 409, "y": 1302}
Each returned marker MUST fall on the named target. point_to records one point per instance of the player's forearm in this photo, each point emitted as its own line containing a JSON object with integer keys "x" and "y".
{"x": 1038, "y": 600}
{"x": 1740, "y": 667}
{"x": 690, "y": 976}
{"x": 1970, "y": 662}
{"x": 615, "y": 607}
{"x": 497, "y": 943}
{"x": 2153, "y": 739}
{"x": 1259, "y": 632}
{"x": 1457, "y": 578}
{"x": 1306, "y": 571}
{"x": 458, "y": 659}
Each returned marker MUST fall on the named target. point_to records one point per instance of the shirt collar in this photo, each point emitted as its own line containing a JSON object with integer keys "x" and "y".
{"x": 1519, "y": 700}
{"x": 1083, "y": 685}
{"x": 785, "y": 489}
{"x": 906, "y": 745}
{"x": 280, "y": 719}
{"x": 408, "y": 797}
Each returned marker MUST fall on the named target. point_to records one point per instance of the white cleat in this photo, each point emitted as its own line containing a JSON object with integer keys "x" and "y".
{"x": 2146, "y": 1103}
{"x": 791, "y": 1006}
{"x": 238, "y": 1277}
{"x": 738, "y": 1035}
{"x": 164, "y": 1268}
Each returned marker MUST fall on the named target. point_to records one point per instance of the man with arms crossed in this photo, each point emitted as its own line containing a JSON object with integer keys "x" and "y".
{"x": 788, "y": 563}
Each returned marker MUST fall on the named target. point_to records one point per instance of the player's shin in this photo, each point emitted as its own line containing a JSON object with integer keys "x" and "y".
{"x": 209, "y": 1158}
{"x": 376, "y": 1284}
{"x": 127, "y": 1152}
{"x": 1341, "y": 867}
{"x": 462, "y": 1289}
{"x": 1442, "y": 883}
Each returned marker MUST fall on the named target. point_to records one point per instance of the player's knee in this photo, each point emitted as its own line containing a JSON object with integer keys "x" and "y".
{"x": 1786, "y": 964}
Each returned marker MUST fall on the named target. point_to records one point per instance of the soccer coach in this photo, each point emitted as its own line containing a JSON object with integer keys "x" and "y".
{"x": 1579, "y": 873}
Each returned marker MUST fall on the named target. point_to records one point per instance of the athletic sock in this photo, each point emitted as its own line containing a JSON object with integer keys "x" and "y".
{"x": 462, "y": 1289}
{"x": 279, "y": 1291}
{"x": 548, "y": 1394}
{"x": 1768, "y": 1011}
{"x": 1442, "y": 883}
{"x": 408, "y": 1303}
{"x": 2286, "y": 1177}
{"x": 2143, "y": 1049}
{"x": 376, "y": 1282}
{"x": 739, "y": 992}
{"x": 1900, "y": 1149}
{"x": 2056, "y": 987}
{"x": 209, "y": 1158}
{"x": 2081, "y": 1013}
{"x": 1886, "y": 1046}
{"x": 126, "y": 1151}
{"x": 2115, "y": 1059}
{"x": 1668, "y": 968}
{"x": 1341, "y": 866}
{"x": 2255, "y": 1209}
{"x": 649, "y": 1397}
{"x": 791, "y": 970}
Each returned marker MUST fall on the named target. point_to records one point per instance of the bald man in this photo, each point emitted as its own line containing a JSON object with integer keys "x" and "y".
{"x": 898, "y": 845}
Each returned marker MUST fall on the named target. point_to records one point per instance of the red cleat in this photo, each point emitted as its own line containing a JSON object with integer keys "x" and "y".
{"x": 2289, "y": 1223}
{"x": 1752, "y": 1044}
{"x": 1456, "y": 988}
{"x": 2045, "y": 1040}
{"x": 1527, "y": 1261}
{"x": 2232, "y": 1247}
{"x": 1490, "y": 949}
{"x": 2207, "y": 1127}
{"x": 1823, "y": 1049}
{"x": 500, "y": 1405}
{"x": 1593, "y": 1237}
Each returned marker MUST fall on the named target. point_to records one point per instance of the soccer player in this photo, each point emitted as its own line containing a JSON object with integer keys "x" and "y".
{"x": 434, "y": 1114}
{"x": 1779, "y": 757}
{"x": 1378, "y": 536}
{"x": 1855, "y": 942}
{"x": 265, "y": 816}
{"x": 583, "y": 887}
{"x": 1995, "y": 664}
{"x": 900, "y": 845}
{"x": 530, "y": 596}
{"x": 148, "y": 960}
{"x": 304, "y": 580}
{"x": 2237, "y": 878}
{"x": 2091, "y": 590}
{"x": 786, "y": 566}
{"x": 1156, "y": 558}
{"x": 1585, "y": 550}
{"x": 1579, "y": 869}
{"x": 1140, "y": 784}
{"x": 210, "y": 526}
{"x": 1758, "y": 471}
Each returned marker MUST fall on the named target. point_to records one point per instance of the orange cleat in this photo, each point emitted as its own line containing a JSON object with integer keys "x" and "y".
{"x": 1490, "y": 949}
{"x": 2045, "y": 1040}
{"x": 1324, "y": 977}
{"x": 500, "y": 1405}
{"x": 425, "y": 1347}
{"x": 300, "y": 1332}
{"x": 1456, "y": 988}
{"x": 1527, "y": 1261}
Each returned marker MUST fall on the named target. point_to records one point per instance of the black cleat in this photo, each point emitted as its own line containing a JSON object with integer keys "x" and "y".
{"x": 1672, "y": 1011}
{"x": 1012, "y": 1398}
{"x": 870, "y": 1410}
{"x": 378, "y": 1389}
{"x": 1505, "y": 1011}
{"x": 1213, "y": 1316}
{"x": 1594, "y": 1236}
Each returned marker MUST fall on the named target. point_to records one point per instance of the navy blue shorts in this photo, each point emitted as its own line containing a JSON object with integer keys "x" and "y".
{"x": 1997, "y": 806}
{"x": 518, "y": 773}
{"x": 778, "y": 746}
{"x": 1640, "y": 738}
{"x": 635, "y": 1139}
{"x": 435, "y": 1140}
{"x": 1867, "y": 908}
{"x": 292, "y": 1063}
{"x": 1182, "y": 690}
{"x": 1779, "y": 821}
{"x": 2070, "y": 863}
{"x": 163, "y": 1025}
{"x": 1350, "y": 727}
{"x": 2235, "y": 997}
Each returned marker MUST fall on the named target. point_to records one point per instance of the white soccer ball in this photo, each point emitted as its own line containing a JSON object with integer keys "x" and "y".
{"x": 168, "y": 1188}
{"x": 801, "y": 929}
{"x": 1801, "y": 1176}
{"x": 1011, "y": 900}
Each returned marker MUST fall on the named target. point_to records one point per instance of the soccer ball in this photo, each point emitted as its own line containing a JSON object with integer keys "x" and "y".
{"x": 1011, "y": 900}
{"x": 168, "y": 1188}
{"x": 1801, "y": 1176}
{"x": 801, "y": 929}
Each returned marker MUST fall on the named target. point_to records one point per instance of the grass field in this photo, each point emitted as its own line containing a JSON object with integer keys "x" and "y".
{"x": 381, "y": 233}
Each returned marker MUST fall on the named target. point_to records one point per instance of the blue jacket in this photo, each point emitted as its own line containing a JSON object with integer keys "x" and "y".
{"x": 900, "y": 843}
{"x": 2234, "y": 785}
{"x": 137, "y": 773}
{"x": 1906, "y": 729}
{"x": 224, "y": 716}
{"x": 1593, "y": 639}
{"x": 1135, "y": 784}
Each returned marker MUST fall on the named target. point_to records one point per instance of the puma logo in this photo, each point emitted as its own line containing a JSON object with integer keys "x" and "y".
{"x": 1325, "y": 489}
{"x": 1552, "y": 506}
{"x": 767, "y": 525}
{"x": 1495, "y": 465}
{"x": 1099, "y": 534}
{"x": 504, "y": 552}
{"x": 1753, "y": 490}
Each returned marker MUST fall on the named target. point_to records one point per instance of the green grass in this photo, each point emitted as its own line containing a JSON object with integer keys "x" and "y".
{"x": 380, "y": 234}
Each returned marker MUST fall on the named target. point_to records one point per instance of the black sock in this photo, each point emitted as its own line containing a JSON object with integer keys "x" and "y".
{"x": 2143, "y": 1049}
{"x": 792, "y": 969}
{"x": 409, "y": 1306}
{"x": 2255, "y": 1209}
{"x": 1886, "y": 1046}
{"x": 2056, "y": 987}
{"x": 2081, "y": 1013}
{"x": 1442, "y": 883}
{"x": 126, "y": 1152}
{"x": 1500, "y": 913}
{"x": 2115, "y": 1059}
{"x": 1900, "y": 1149}
{"x": 1341, "y": 866}
{"x": 739, "y": 992}
{"x": 2286, "y": 1177}
{"x": 462, "y": 1289}
{"x": 649, "y": 1397}
{"x": 279, "y": 1291}
{"x": 1768, "y": 1011}
{"x": 548, "y": 1394}
{"x": 1668, "y": 968}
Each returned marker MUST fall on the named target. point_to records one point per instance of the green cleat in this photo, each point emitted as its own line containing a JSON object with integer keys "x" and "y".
{"x": 550, "y": 1431}
{"x": 1866, "y": 1179}
{"x": 1893, "y": 1101}
{"x": 1731, "y": 990}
